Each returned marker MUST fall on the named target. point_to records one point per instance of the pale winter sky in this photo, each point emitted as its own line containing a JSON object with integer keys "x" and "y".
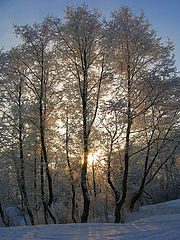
{"x": 163, "y": 14}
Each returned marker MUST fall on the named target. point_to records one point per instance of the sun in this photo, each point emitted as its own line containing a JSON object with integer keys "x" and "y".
{"x": 91, "y": 158}
{"x": 95, "y": 157}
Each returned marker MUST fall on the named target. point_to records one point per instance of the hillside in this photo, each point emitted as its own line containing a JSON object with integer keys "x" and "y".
{"x": 160, "y": 221}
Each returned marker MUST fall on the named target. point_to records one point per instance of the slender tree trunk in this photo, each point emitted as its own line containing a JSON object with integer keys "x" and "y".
{"x": 19, "y": 186}
{"x": 116, "y": 192}
{"x": 73, "y": 203}
{"x": 86, "y": 205}
{"x": 85, "y": 214}
{"x": 50, "y": 188}
{"x": 106, "y": 207}
{"x": 138, "y": 194}
{"x": 35, "y": 184}
{"x": 3, "y": 217}
{"x": 95, "y": 210}
{"x": 22, "y": 168}
{"x": 42, "y": 190}
{"x": 94, "y": 180}
{"x": 42, "y": 123}
{"x": 86, "y": 198}
{"x": 121, "y": 201}
{"x": 70, "y": 170}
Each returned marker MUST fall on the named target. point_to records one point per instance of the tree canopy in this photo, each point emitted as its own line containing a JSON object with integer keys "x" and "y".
{"x": 86, "y": 87}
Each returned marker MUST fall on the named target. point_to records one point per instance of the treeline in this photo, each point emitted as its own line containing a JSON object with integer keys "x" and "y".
{"x": 89, "y": 114}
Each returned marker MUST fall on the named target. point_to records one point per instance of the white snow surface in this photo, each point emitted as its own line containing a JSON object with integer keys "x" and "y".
{"x": 157, "y": 222}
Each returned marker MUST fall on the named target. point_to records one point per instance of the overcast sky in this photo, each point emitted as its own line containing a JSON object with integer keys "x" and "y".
{"x": 163, "y": 14}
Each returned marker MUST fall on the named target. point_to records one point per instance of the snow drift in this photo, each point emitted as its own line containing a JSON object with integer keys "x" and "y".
{"x": 156, "y": 222}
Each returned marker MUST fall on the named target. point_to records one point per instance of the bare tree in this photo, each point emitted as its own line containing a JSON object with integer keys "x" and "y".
{"x": 81, "y": 38}
{"x": 160, "y": 144}
{"x": 39, "y": 59}
{"x": 144, "y": 67}
{"x": 14, "y": 88}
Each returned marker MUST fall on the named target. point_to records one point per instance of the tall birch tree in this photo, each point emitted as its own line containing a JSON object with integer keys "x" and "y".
{"x": 39, "y": 59}
{"x": 81, "y": 38}
{"x": 144, "y": 67}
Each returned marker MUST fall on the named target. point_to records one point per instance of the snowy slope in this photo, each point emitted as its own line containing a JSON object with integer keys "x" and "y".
{"x": 162, "y": 221}
{"x": 170, "y": 207}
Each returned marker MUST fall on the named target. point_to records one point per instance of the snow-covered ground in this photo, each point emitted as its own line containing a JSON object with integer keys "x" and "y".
{"x": 166, "y": 208}
{"x": 157, "y": 222}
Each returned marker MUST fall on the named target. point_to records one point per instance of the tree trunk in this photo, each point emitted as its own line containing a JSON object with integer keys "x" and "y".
{"x": 94, "y": 180}
{"x": 73, "y": 203}
{"x": 86, "y": 131}
{"x": 86, "y": 205}
{"x": 35, "y": 185}
{"x": 42, "y": 190}
{"x": 42, "y": 123}
{"x": 134, "y": 199}
{"x": 106, "y": 207}
{"x": 2, "y": 216}
{"x": 70, "y": 170}
{"x": 116, "y": 192}
{"x": 138, "y": 194}
{"x": 21, "y": 156}
{"x": 121, "y": 201}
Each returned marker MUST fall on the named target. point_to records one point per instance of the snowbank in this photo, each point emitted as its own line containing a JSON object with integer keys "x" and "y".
{"x": 164, "y": 225}
{"x": 166, "y": 208}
